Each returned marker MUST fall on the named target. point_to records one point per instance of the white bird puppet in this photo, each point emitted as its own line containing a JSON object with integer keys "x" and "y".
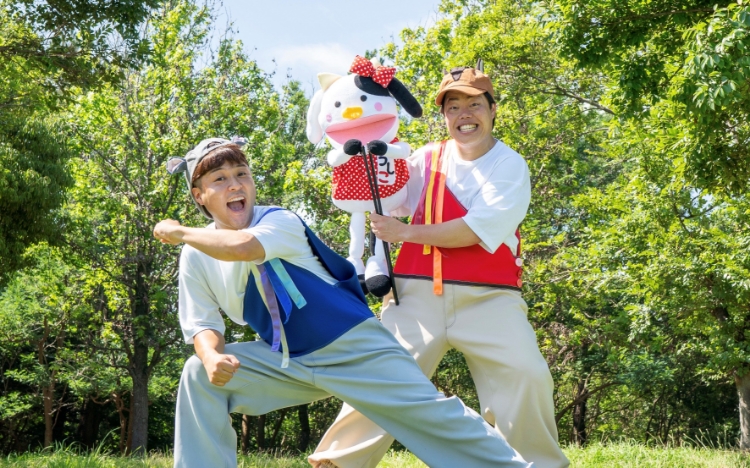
{"x": 355, "y": 110}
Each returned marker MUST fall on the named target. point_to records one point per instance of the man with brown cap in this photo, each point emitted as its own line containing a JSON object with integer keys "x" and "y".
{"x": 459, "y": 280}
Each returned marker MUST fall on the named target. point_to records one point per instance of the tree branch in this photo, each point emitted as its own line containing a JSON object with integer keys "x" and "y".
{"x": 581, "y": 398}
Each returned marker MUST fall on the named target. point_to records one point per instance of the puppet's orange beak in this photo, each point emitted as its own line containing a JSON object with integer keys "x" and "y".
{"x": 351, "y": 113}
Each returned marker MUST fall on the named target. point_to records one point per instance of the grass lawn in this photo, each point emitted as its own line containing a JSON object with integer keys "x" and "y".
{"x": 610, "y": 455}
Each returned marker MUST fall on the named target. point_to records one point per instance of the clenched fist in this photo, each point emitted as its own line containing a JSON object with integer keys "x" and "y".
{"x": 167, "y": 231}
{"x": 220, "y": 368}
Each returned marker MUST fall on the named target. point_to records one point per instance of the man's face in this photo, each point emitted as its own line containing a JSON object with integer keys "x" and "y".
{"x": 468, "y": 118}
{"x": 228, "y": 193}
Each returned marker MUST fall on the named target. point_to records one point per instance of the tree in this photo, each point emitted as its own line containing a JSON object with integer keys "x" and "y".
{"x": 49, "y": 50}
{"x": 38, "y": 310}
{"x": 678, "y": 85}
{"x": 33, "y": 154}
{"x": 679, "y": 67}
{"x": 58, "y": 45}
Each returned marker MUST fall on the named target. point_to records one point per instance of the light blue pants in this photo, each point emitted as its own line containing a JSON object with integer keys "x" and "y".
{"x": 367, "y": 368}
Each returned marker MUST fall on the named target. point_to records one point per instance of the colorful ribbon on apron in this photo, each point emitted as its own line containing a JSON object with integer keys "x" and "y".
{"x": 285, "y": 288}
{"x": 276, "y": 282}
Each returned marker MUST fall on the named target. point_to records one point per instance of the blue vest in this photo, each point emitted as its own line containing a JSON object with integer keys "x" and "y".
{"x": 330, "y": 310}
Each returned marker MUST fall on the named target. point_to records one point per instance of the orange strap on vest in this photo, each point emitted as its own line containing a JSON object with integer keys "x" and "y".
{"x": 430, "y": 188}
{"x": 437, "y": 175}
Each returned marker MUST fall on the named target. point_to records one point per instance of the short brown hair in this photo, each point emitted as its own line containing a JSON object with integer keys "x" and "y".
{"x": 229, "y": 153}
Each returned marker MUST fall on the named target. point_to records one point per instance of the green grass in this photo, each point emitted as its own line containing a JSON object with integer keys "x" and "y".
{"x": 614, "y": 455}
{"x": 629, "y": 455}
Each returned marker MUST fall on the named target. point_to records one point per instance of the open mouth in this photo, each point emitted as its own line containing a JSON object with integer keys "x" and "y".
{"x": 365, "y": 129}
{"x": 236, "y": 203}
{"x": 467, "y": 128}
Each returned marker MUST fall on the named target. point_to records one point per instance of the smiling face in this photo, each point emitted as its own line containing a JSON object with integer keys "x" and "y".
{"x": 469, "y": 121}
{"x": 228, "y": 193}
{"x": 349, "y": 112}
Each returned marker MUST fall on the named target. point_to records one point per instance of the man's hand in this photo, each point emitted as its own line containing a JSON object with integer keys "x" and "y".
{"x": 387, "y": 228}
{"x": 220, "y": 368}
{"x": 167, "y": 231}
{"x": 450, "y": 234}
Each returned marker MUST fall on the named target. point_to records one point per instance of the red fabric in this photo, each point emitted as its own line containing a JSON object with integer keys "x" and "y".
{"x": 471, "y": 265}
{"x": 350, "y": 179}
{"x": 380, "y": 74}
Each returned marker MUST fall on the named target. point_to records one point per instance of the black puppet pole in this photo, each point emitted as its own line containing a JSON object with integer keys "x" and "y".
{"x": 373, "y": 150}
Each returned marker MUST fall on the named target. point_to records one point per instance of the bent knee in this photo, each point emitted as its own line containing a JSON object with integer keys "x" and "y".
{"x": 193, "y": 369}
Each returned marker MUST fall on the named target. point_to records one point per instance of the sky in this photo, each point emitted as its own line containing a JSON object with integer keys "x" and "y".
{"x": 306, "y": 37}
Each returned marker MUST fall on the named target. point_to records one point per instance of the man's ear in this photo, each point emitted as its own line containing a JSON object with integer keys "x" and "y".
{"x": 198, "y": 195}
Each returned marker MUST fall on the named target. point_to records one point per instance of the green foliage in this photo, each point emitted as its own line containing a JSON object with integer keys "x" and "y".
{"x": 33, "y": 154}
{"x": 49, "y": 50}
{"x": 668, "y": 238}
{"x": 128, "y": 349}
{"x": 680, "y": 69}
{"x": 632, "y": 118}
{"x": 59, "y": 44}
{"x": 39, "y": 310}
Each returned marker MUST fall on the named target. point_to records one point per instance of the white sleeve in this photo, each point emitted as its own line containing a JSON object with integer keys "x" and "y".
{"x": 197, "y": 306}
{"x": 501, "y": 204}
{"x": 415, "y": 163}
{"x": 282, "y": 235}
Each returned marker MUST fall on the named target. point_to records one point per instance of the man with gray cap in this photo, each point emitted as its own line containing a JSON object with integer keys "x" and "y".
{"x": 262, "y": 266}
{"x": 459, "y": 280}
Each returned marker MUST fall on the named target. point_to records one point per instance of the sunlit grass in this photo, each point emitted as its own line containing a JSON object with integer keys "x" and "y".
{"x": 614, "y": 455}
{"x": 631, "y": 455}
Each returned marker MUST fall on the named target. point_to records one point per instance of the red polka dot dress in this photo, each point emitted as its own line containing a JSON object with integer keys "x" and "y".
{"x": 350, "y": 179}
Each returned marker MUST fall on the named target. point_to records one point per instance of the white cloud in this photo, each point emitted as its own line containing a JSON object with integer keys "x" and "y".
{"x": 399, "y": 25}
{"x": 311, "y": 59}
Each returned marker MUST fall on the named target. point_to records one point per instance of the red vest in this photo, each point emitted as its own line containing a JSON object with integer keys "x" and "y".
{"x": 471, "y": 265}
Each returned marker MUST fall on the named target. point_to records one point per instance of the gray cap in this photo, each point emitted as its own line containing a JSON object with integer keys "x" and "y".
{"x": 188, "y": 164}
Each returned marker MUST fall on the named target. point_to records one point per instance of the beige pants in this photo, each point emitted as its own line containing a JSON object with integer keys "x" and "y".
{"x": 489, "y": 326}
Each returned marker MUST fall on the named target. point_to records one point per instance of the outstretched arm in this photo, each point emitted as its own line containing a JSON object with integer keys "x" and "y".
{"x": 222, "y": 244}
{"x": 451, "y": 234}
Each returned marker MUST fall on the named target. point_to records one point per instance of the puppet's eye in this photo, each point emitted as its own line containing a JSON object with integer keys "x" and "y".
{"x": 337, "y": 103}
{"x": 363, "y": 98}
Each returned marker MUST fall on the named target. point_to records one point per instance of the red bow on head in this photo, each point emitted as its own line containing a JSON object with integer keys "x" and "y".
{"x": 380, "y": 74}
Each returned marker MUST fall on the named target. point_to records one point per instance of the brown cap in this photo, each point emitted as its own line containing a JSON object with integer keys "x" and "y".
{"x": 464, "y": 80}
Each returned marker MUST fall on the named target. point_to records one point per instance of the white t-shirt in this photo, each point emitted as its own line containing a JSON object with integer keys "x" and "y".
{"x": 495, "y": 189}
{"x": 207, "y": 285}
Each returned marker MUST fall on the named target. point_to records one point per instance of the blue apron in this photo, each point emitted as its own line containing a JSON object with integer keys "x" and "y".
{"x": 313, "y": 312}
